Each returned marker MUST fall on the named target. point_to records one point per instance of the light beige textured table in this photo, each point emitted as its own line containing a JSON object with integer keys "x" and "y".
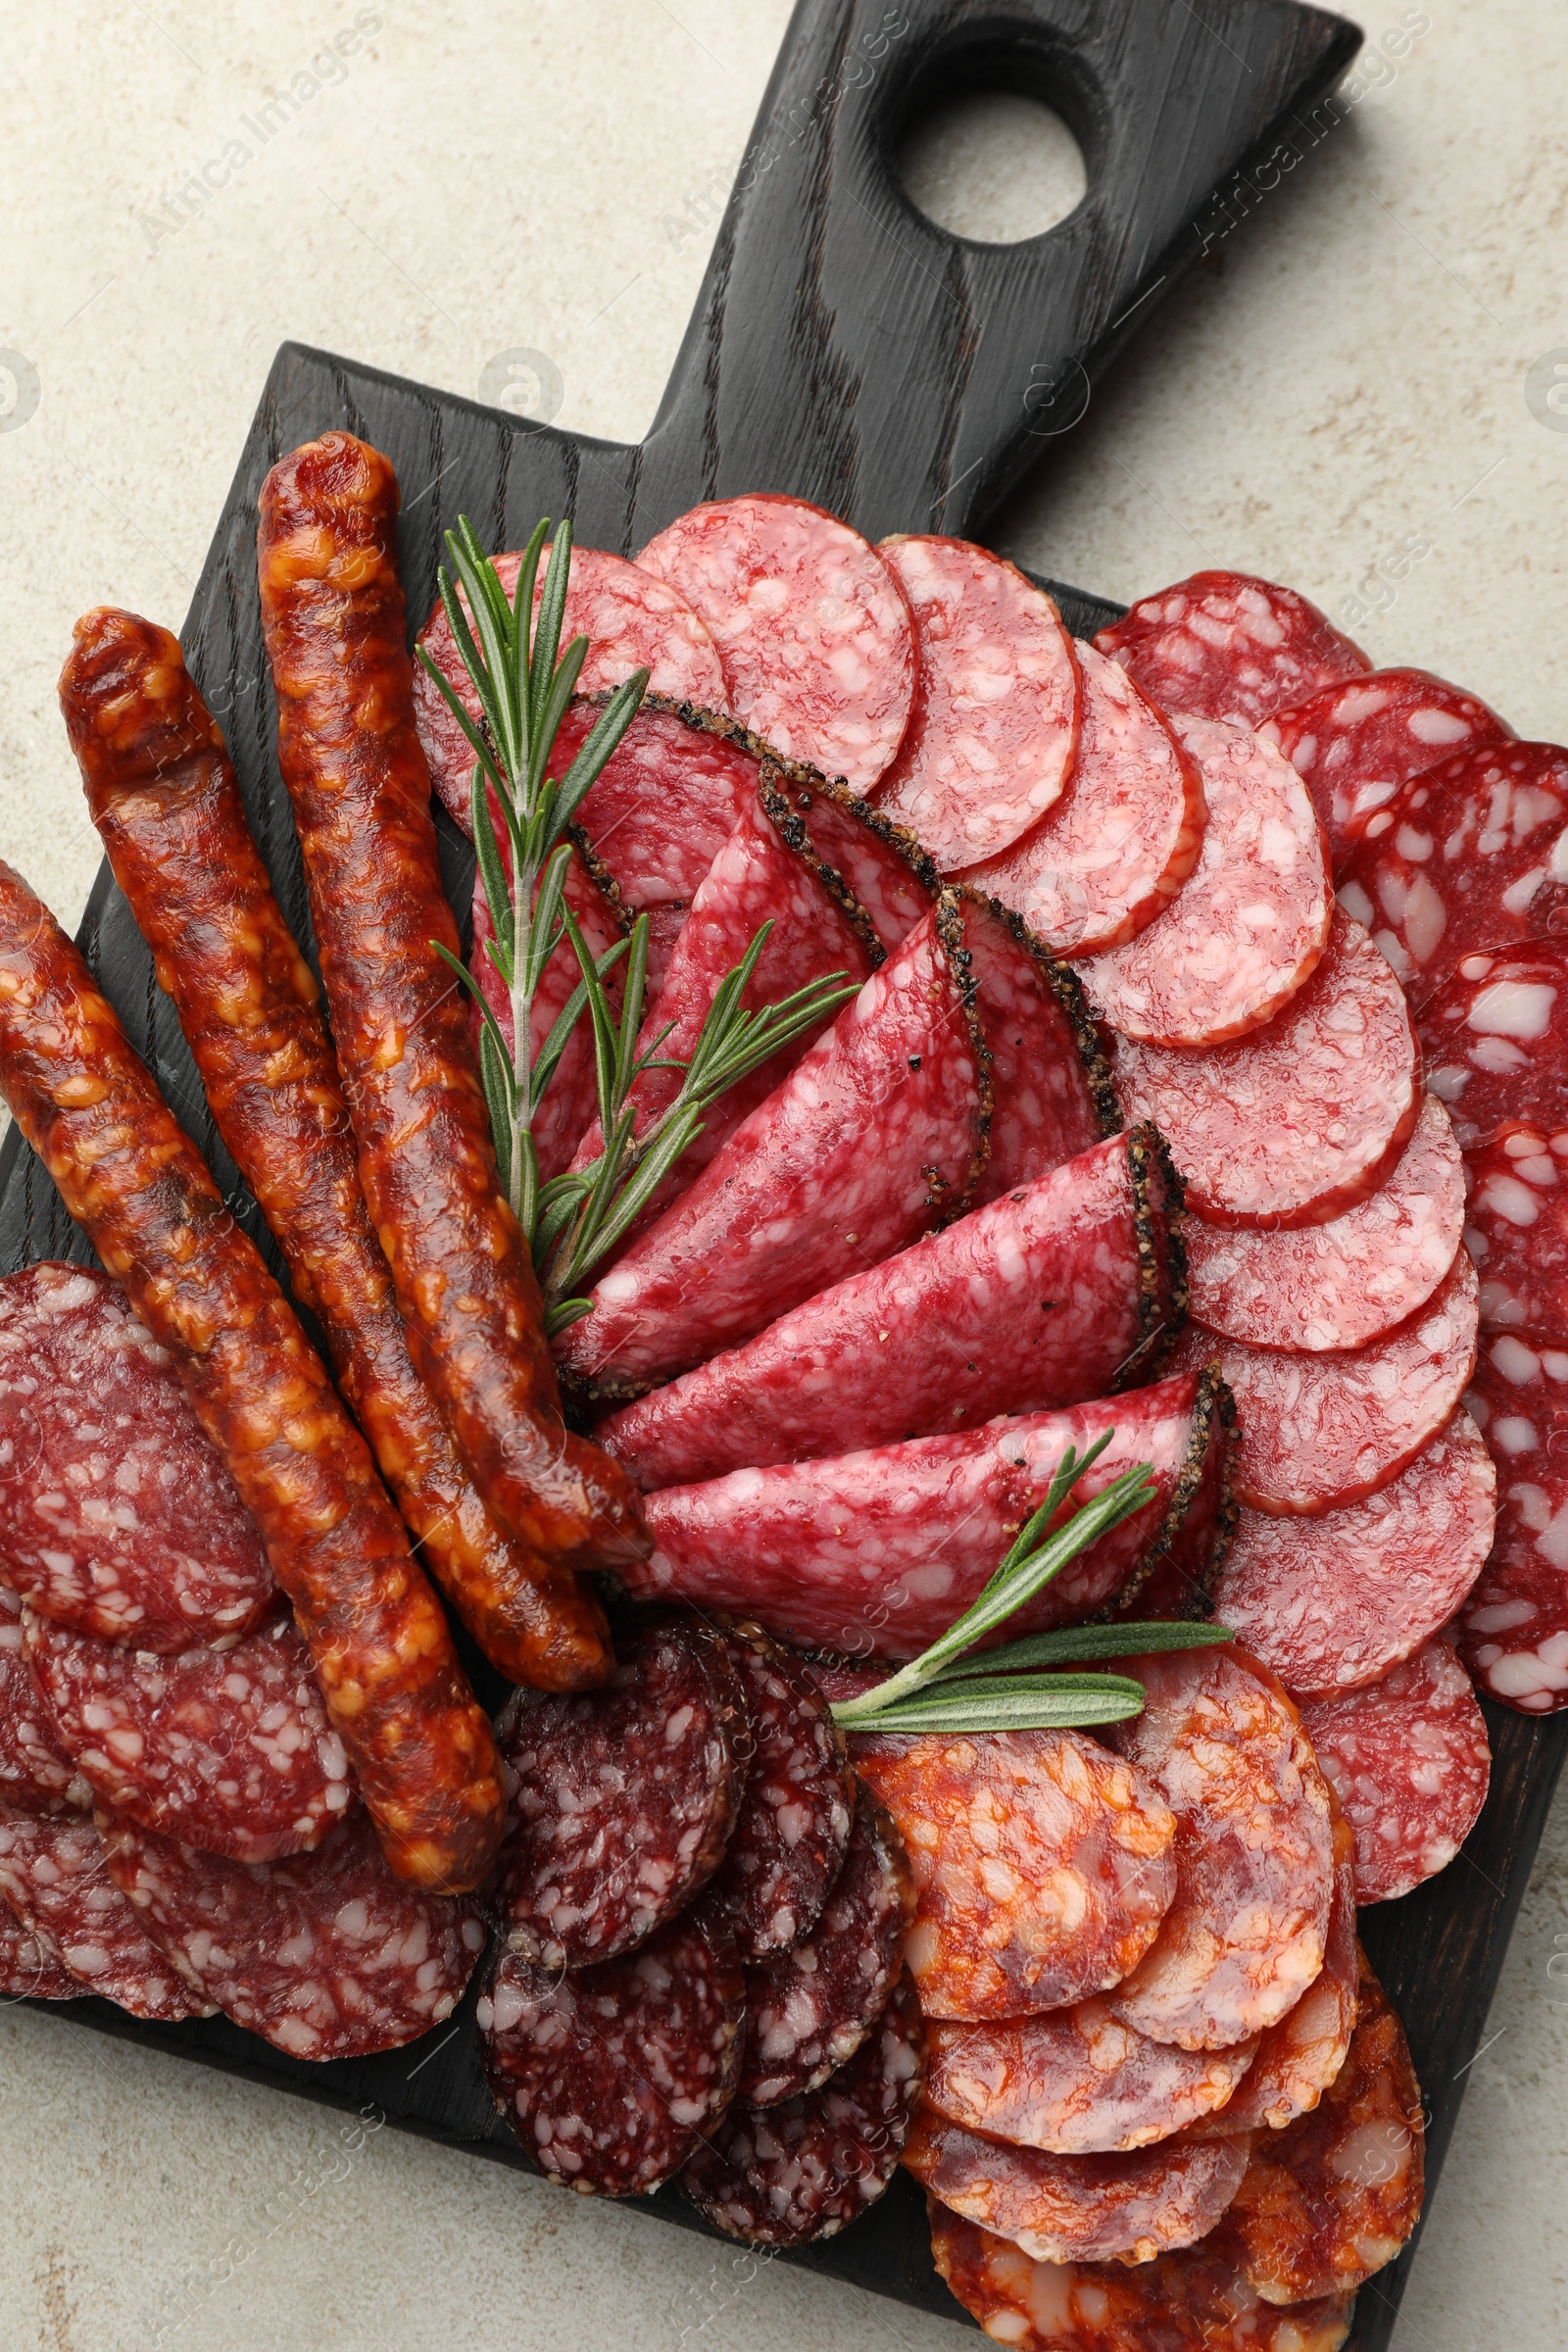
{"x": 1341, "y": 398}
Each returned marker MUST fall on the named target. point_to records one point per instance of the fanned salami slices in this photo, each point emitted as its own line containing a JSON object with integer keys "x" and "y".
{"x": 791, "y": 1832}
{"x": 813, "y": 629}
{"x": 55, "y": 1876}
{"x": 1492, "y": 1041}
{"x": 1513, "y": 1635}
{"x": 1297, "y": 1124}
{"x": 1052, "y": 1094}
{"x": 1409, "y": 1762}
{"x": 1516, "y": 1228}
{"x": 27, "y": 1972}
{"x": 1355, "y": 743}
{"x": 36, "y": 1775}
{"x": 883, "y": 869}
{"x": 1228, "y": 646}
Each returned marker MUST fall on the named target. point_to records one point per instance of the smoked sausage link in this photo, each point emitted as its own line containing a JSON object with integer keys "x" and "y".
{"x": 141, "y": 1192}
{"x": 166, "y": 802}
{"x": 334, "y": 618}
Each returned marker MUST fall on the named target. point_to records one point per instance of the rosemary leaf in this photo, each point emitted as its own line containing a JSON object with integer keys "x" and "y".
{"x": 1070, "y": 1642}
{"x": 1033, "y": 1702}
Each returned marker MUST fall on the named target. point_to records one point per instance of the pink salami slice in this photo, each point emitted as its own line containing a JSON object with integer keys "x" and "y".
{"x": 1492, "y": 1041}
{"x": 1516, "y": 1228}
{"x": 791, "y": 1832}
{"x": 1251, "y": 921}
{"x": 227, "y": 1750}
{"x": 811, "y": 627}
{"x": 1513, "y": 1634}
{"x": 1231, "y": 647}
{"x": 1409, "y": 1761}
{"x": 117, "y": 1514}
{"x": 324, "y": 1955}
{"x": 55, "y": 1876}
{"x": 1297, "y": 1124}
{"x": 36, "y": 1775}
{"x": 1319, "y": 1433}
{"x": 27, "y": 1972}
{"x": 882, "y": 868}
{"x": 1346, "y": 1283}
{"x": 1052, "y": 1094}
{"x": 874, "y": 1139}
{"x": 994, "y": 723}
{"x": 1039, "y": 1299}
{"x": 1333, "y": 1602}
{"x": 1124, "y": 837}
{"x": 1355, "y": 743}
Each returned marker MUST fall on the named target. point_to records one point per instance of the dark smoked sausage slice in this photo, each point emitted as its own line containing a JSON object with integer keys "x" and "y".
{"x": 55, "y": 1876}
{"x": 790, "y": 1836}
{"x": 1513, "y": 1635}
{"x": 1229, "y": 646}
{"x": 27, "y": 1972}
{"x": 36, "y": 1775}
{"x": 1516, "y": 1227}
{"x": 1492, "y": 1041}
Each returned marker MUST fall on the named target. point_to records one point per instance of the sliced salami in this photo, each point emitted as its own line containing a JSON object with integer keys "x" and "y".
{"x": 1298, "y": 1123}
{"x": 1409, "y": 1761}
{"x": 1052, "y": 1094}
{"x": 791, "y": 1835}
{"x": 1516, "y": 1228}
{"x": 813, "y": 629}
{"x": 324, "y": 1955}
{"x": 55, "y": 1876}
{"x": 882, "y": 868}
{"x": 786, "y": 2175}
{"x": 1346, "y": 1283}
{"x": 1042, "y": 1299}
{"x": 227, "y": 1750}
{"x": 609, "y": 2076}
{"x": 36, "y": 1775}
{"x": 117, "y": 1514}
{"x": 1123, "y": 838}
{"x": 1513, "y": 1634}
{"x": 1231, "y": 647}
{"x": 1492, "y": 1039}
{"x": 27, "y": 1972}
{"x": 1248, "y": 1930}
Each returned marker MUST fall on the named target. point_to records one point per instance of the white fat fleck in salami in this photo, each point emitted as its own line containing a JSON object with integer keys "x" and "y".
{"x": 1409, "y": 1761}
{"x": 1516, "y": 1229}
{"x": 1231, "y": 647}
{"x": 1298, "y": 1123}
{"x": 790, "y": 1836}
{"x": 1493, "y": 1039}
{"x": 55, "y": 1876}
{"x": 27, "y": 1972}
{"x": 36, "y": 1775}
{"x": 1513, "y": 1634}
{"x": 1251, "y": 922}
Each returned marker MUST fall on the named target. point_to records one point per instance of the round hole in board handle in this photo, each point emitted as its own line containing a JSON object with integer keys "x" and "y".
{"x": 996, "y": 166}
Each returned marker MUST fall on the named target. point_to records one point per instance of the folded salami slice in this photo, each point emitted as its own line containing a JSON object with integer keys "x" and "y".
{"x": 27, "y": 1972}
{"x": 1052, "y": 1094}
{"x": 36, "y": 1775}
{"x": 117, "y": 1514}
{"x": 55, "y": 1876}
{"x": 227, "y": 1750}
{"x": 1346, "y": 1283}
{"x": 1042, "y": 1299}
{"x": 324, "y": 1955}
{"x": 1409, "y": 1761}
{"x": 1120, "y": 844}
{"x": 1298, "y": 1123}
{"x": 1516, "y": 1227}
{"x": 791, "y": 1835}
{"x": 609, "y": 2076}
{"x": 874, "y": 1139}
{"x": 1228, "y": 646}
{"x": 1492, "y": 1041}
{"x": 880, "y": 865}
{"x": 1321, "y": 1432}
{"x": 1248, "y": 1930}
{"x": 1513, "y": 1634}
{"x": 811, "y": 627}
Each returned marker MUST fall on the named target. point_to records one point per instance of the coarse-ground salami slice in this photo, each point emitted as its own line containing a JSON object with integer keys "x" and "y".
{"x": 118, "y": 1515}
{"x": 36, "y": 1775}
{"x": 811, "y": 2008}
{"x": 1298, "y": 1123}
{"x": 1346, "y": 1283}
{"x": 1246, "y": 1932}
{"x": 609, "y": 2076}
{"x": 1321, "y": 1432}
{"x": 874, "y": 1138}
{"x": 1492, "y": 1038}
{"x": 1251, "y": 921}
{"x": 1409, "y": 1761}
{"x": 1516, "y": 1229}
{"x": 1039, "y": 1299}
{"x": 324, "y": 1955}
{"x": 623, "y": 1799}
{"x": 791, "y": 1832}
{"x": 55, "y": 1876}
{"x": 1355, "y": 743}
{"x": 1231, "y": 647}
{"x": 880, "y": 865}
{"x": 800, "y": 2169}
{"x": 27, "y": 1972}
{"x": 1513, "y": 1634}
{"x": 1125, "y": 835}
{"x": 1052, "y": 1094}
{"x": 813, "y": 629}
{"x": 227, "y": 1750}
{"x": 994, "y": 723}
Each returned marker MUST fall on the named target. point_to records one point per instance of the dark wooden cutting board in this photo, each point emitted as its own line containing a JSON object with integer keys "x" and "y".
{"x": 845, "y": 350}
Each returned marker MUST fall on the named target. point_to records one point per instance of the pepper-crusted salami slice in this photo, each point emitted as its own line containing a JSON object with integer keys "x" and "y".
{"x": 880, "y": 865}
{"x": 1346, "y": 1283}
{"x": 324, "y": 1955}
{"x": 1230, "y": 647}
{"x": 1052, "y": 1094}
{"x": 623, "y": 1798}
{"x": 1355, "y": 743}
{"x": 55, "y": 1876}
{"x": 811, "y": 627}
{"x": 791, "y": 1833}
{"x": 1516, "y": 1228}
{"x": 1513, "y": 1635}
{"x": 786, "y": 2175}
{"x": 1492, "y": 1041}
{"x": 27, "y": 1972}
{"x": 609, "y": 2076}
{"x": 230, "y": 1751}
{"x": 1298, "y": 1123}
{"x": 36, "y": 1775}
{"x": 1409, "y": 1762}
{"x": 118, "y": 1514}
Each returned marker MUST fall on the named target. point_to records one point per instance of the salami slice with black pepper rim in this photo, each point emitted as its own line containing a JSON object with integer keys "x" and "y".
{"x": 1516, "y": 1228}
{"x": 27, "y": 1972}
{"x": 1513, "y": 1634}
{"x": 790, "y": 1836}
{"x": 878, "y": 865}
{"x": 1492, "y": 1041}
{"x": 55, "y": 1876}
{"x": 1409, "y": 1761}
{"x": 36, "y": 1775}
{"x": 1231, "y": 647}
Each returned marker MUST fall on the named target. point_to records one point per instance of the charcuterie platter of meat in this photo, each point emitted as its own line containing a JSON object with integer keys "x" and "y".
{"x": 779, "y": 1316}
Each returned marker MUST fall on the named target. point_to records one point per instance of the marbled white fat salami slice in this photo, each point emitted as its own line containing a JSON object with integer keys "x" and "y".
{"x": 882, "y": 868}
{"x": 27, "y": 1972}
{"x": 56, "y": 1878}
{"x": 1230, "y": 647}
{"x": 1409, "y": 1762}
{"x": 1050, "y": 1092}
{"x": 790, "y": 1836}
{"x": 1513, "y": 1634}
{"x": 36, "y": 1775}
{"x": 1516, "y": 1228}
{"x": 1492, "y": 1041}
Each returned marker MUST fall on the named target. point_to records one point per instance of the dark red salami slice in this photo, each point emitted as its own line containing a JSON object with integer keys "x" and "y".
{"x": 1321, "y": 1432}
{"x": 1039, "y": 1299}
{"x": 1516, "y": 1227}
{"x": 1052, "y": 1094}
{"x": 1355, "y": 743}
{"x": 882, "y": 868}
{"x": 811, "y": 2009}
{"x": 1228, "y": 646}
{"x": 227, "y": 1750}
{"x": 1346, "y": 1283}
{"x": 609, "y": 2076}
{"x": 117, "y": 1514}
{"x": 790, "y": 1836}
{"x": 873, "y": 1139}
{"x": 324, "y": 1955}
{"x": 55, "y": 1876}
{"x": 994, "y": 723}
{"x": 811, "y": 627}
{"x": 36, "y": 1775}
{"x": 1298, "y": 1123}
{"x": 27, "y": 1972}
{"x": 1513, "y": 1634}
{"x": 1492, "y": 1041}
{"x": 785, "y": 2175}
{"x": 623, "y": 1798}
{"x": 1409, "y": 1762}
